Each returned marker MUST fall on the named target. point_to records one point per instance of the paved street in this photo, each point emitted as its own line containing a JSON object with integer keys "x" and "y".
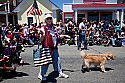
{"x": 71, "y": 65}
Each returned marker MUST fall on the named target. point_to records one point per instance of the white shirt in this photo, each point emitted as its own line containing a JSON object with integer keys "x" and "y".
{"x": 52, "y": 33}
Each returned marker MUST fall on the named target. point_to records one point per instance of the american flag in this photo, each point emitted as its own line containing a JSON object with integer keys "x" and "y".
{"x": 34, "y": 10}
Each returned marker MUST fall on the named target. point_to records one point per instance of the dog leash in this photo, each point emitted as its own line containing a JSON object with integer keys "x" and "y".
{"x": 96, "y": 50}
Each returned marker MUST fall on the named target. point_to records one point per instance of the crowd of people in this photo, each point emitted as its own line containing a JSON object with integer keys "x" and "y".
{"x": 82, "y": 35}
{"x": 92, "y": 33}
{"x": 86, "y": 33}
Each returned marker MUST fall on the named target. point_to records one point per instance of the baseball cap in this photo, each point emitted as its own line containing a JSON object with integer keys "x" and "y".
{"x": 83, "y": 19}
{"x": 48, "y": 15}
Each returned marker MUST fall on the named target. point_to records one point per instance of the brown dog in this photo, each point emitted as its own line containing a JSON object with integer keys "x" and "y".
{"x": 95, "y": 59}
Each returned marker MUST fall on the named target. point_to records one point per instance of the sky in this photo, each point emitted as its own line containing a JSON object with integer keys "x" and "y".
{"x": 59, "y": 3}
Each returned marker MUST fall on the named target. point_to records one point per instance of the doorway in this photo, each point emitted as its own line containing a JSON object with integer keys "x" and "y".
{"x": 93, "y": 16}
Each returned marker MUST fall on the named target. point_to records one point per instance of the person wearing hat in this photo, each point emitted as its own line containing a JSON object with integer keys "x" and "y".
{"x": 82, "y": 34}
{"x": 54, "y": 49}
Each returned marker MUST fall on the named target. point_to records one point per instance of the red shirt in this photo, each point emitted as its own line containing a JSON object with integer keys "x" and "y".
{"x": 8, "y": 35}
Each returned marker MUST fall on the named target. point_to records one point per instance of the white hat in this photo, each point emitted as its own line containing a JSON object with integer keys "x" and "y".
{"x": 48, "y": 15}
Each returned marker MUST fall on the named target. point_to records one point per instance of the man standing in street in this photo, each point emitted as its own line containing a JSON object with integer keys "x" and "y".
{"x": 82, "y": 34}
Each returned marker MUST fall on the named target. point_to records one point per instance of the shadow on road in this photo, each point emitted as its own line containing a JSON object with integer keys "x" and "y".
{"x": 10, "y": 75}
{"x": 51, "y": 78}
{"x": 95, "y": 69}
{"x": 69, "y": 70}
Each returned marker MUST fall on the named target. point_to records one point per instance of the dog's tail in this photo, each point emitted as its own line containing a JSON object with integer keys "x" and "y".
{"x": 82, "y": 54}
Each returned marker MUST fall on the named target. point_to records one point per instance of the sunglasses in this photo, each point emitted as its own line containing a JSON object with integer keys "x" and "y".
{"x": 50, "y": 18}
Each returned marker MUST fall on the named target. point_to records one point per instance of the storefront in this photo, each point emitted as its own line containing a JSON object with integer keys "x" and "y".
{"x": 94, "y": 11}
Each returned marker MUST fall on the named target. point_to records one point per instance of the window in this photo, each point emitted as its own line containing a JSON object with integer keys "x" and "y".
{"x": 93, "y": 16}
{"x": 68, "y": 17}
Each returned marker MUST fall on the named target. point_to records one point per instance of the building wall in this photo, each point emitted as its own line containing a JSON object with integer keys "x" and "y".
{"x": 68, "y": 13}
{"x": 107, "y": 1}
{"x": 67, "y": 8}
{"x": 110, "y": 13}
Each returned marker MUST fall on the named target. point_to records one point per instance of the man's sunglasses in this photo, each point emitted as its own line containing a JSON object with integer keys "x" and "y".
{"x": 49, "y": 18}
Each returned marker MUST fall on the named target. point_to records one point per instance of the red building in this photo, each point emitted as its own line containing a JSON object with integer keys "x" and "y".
{"x": 94, "y": 10}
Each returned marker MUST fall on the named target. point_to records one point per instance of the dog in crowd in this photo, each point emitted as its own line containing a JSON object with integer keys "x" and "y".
{"x": 95, "y": 59}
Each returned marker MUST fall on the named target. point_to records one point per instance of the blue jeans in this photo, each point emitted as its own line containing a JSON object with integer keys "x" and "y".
{"x": 56, "y": 64}
{"x": 113, "y": 40}
{"x": 31, "y": 42}
{"x": 123, "y": 41}
{"x": 81, "y": 39}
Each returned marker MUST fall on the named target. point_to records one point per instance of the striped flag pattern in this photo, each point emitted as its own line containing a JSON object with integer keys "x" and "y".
{"x": 42, "y": 57}
{"x": 34, "y": 10}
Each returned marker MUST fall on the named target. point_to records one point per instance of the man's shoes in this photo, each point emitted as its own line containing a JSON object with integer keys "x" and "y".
{"x": 62, "y": 75}
{"x": 42, "y": 78}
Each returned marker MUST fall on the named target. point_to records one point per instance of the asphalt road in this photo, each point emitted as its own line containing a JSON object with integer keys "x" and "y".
{"x": 71, "y": 65}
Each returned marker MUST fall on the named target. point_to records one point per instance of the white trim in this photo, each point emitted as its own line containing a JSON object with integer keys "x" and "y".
{"x": 76, "y": 16}
{"x": 99, "y": 8}
{"x": 118, "y": 12}
{"x": 122, "y": 16}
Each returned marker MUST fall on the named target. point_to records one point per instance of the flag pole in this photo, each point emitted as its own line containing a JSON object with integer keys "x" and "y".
{"x": 38, "y": 18}
{"x": 35, "y": 19}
